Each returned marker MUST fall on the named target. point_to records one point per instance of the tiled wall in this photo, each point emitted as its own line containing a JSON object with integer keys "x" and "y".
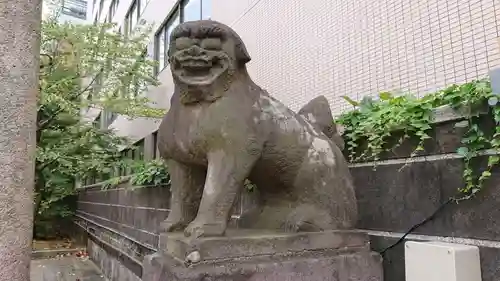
{"x": 302, "y": 49}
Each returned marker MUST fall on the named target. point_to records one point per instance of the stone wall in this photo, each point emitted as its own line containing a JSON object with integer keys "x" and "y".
{"x": 393, "y": 195}
{"x": 122, "y": 225}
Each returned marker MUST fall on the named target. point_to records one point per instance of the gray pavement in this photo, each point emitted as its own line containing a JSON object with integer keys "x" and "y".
{"x": 65, "y": 269}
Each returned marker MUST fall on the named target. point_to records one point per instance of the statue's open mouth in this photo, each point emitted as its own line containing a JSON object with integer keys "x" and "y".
{"x": 199, "y": 70}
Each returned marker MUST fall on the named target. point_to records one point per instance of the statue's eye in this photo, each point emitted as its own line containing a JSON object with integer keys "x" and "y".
{"x": 183, "y": 43}
{"x": 211, "y": 44}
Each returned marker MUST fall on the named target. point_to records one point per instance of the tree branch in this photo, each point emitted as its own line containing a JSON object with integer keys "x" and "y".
{"x": 51, "y": 61}
{"x": 43, "y": 124}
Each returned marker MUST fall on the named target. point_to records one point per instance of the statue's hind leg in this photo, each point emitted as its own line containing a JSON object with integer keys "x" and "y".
{"x": 307, "y": 218}
{"x": 325, "y": 196}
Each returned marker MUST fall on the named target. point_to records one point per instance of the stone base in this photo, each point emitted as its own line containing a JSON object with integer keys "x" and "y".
{"x": 257, "y": 256}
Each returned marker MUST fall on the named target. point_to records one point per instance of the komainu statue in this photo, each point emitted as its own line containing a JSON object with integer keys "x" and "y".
{"x": 222, "y": 128}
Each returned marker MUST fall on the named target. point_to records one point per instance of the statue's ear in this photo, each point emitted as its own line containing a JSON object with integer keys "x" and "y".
{"x": 241, "y": 53}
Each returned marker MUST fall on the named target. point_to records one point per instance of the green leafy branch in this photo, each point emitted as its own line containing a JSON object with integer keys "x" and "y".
{"x": 379, "y": 126}
{"x": 150, "y": 173}
{"x": 145, "y": 174}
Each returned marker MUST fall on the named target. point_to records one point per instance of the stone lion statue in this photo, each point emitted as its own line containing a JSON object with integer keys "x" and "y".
{"x": 222, "y": 128}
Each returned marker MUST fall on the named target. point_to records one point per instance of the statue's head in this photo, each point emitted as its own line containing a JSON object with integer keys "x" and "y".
{"x": 205, "y": 54}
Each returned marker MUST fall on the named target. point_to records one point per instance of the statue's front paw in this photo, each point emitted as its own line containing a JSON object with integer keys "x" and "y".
{"x": 172, "y": 225}
{"x": 198, "y": 228}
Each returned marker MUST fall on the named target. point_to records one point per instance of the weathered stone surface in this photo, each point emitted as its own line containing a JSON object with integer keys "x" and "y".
{"x": 124, "y": 194}
{"x": 223, "y": 128}
{"x": 250, "y": 243}
{"x": 392, "y": 198}
{"x": 359, "y": 266}
{"x": 332, "y": 256}
{"x": 19, "y": 84}
{"x": 113, "y": 265}
{"x": 65, "y": 269}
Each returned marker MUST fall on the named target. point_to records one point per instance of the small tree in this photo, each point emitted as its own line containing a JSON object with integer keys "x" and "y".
{"x": 84, "y": 67}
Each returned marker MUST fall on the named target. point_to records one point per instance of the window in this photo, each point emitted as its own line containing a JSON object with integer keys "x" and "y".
{"x": 124, "y": 170}
{"x": 74, "y": 8}
{"x": 139, "y": 152}
{"x": 206, "y": 9}
{"x": 114, "y": 7}
{"x": 134, "y": 153}
{"x": 191, "y": 10}
{"x": 109, "y": 117}
{"x": 112, "y": 10}
{"x": 163, "y": 38}
{"x": 132, "y": 17}
{"x": 187, "y": 10}
{"x": 144, "y": 3}
{"x": 101, "y": 6}
{"x": 90, "y": 179}
{"x": 112, "y": 117}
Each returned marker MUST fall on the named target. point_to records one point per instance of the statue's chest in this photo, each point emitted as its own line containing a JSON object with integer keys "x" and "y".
{"x": 190, "y": 134}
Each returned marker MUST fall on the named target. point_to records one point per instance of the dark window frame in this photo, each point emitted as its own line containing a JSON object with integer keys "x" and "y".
{"x": 138, "y": 153}
{"x": 101, "y": 6}
{"x": 123, "y": 171}
{"x": 155, "y": 145}
{"x": 134, "y": 6}
{"x": 112, "y": 10}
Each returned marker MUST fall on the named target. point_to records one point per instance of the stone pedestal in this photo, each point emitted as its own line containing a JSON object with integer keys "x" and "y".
{"x": 257, "y": 256}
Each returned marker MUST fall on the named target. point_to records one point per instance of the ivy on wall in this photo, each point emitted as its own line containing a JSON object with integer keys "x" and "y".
{"x": 150, "y": 173}
{"x": 146, "y": 173}
{"x": 377, "y": 126}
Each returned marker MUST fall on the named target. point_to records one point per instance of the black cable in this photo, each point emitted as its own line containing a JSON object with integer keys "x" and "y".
{"x": 431, "y": 217}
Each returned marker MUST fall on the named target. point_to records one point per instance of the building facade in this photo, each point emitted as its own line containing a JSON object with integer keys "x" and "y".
{"x": 302, "y": 49}
{"x": 72, "y": 11}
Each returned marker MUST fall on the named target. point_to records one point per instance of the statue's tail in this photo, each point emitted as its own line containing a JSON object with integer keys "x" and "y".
{"x": 319, "y": 114}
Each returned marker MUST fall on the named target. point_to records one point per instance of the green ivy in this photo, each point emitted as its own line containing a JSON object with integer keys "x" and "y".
{"x": 145, "y": 174}
{"x": 150, "y": 173}
{"x": 377, "y": 126}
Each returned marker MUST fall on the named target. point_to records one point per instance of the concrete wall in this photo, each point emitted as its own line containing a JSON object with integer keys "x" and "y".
{"x": 397, "y": 195}
{"x": 302, "y": 49}
{"x": 401, "y": 193}
{"x": 122, "y": 225}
